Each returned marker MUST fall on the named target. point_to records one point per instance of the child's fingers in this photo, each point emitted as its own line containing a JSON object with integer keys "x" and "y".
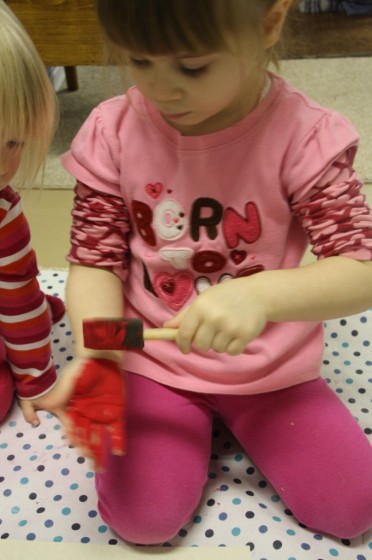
{"x": 175, "y": 321}
{"x": 77, "y": 430}
{"x": 117, "y": 435}
{"x": 97, "y": 446}
{"x": 29, "y": 412}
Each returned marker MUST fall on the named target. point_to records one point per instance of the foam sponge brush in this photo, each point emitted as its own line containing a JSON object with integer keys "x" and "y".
{"x": 121, "y": 334}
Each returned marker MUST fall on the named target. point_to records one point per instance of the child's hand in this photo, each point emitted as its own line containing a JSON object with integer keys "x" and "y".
{"x": 89, "y": 400}
{"x": 56, "y": 399}
{"x": 223, "y": 318}
{"x": 96, "y": 409}
{"x": 29, "y": 408}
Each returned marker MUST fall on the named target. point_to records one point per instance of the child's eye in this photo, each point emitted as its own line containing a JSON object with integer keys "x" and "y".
{"x": 14, "y": 145}
{"x": 139, "y": 62}
{"x": 194, "y": 72}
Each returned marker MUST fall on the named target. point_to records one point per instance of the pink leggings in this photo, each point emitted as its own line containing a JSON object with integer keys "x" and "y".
{"x": 303, "y": 439}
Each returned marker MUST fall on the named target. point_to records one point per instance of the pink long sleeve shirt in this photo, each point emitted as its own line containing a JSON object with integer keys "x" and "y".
{"x": 173, "y": 215}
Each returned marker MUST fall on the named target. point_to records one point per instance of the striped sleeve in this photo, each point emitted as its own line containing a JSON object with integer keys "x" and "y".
{"x": 25, "y": 323}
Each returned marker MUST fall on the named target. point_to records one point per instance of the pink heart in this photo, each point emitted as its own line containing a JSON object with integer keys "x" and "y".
{"x": 173, "y": 290}
{"x": 154, "y": 190}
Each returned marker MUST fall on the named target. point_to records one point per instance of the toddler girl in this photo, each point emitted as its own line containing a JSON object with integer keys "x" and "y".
{"x": 197, "y": 194}
{"x": 27, "y": 120}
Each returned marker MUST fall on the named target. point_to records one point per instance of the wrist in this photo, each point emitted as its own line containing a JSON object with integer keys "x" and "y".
{"x": 88, "y": 354}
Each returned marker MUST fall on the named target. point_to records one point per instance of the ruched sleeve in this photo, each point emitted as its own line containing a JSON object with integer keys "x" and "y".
{"x": 334, "y": 213}
{"x": 100, "y": 226}
{"x": 99, "y": 232}
{"x": 324, "y": 190}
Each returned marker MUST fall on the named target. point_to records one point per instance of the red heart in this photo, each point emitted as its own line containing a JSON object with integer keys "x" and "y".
{"x": 154, "y": 190}
{"x": 169, "y": 286}
{"x": 238, "y": 256}
{"x": 173, "y": 290}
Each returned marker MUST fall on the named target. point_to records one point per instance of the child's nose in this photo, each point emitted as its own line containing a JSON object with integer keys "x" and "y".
{"x": 164, "y": 89}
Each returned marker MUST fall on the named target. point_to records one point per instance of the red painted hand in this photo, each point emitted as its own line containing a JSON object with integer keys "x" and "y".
{"x": 97, "y": 409}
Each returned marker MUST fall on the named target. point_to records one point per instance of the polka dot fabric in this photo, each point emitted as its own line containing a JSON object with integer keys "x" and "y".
{"x": 47, "y": 489}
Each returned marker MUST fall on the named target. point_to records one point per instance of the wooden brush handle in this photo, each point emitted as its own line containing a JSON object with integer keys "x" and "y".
{"x": 160, "y": 334}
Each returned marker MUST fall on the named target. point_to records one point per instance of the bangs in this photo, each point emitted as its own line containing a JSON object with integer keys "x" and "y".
{"x": 17, "y": 107}
{"x": 161, "y": 27}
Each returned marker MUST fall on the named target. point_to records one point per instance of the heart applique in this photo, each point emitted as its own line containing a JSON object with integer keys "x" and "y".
{"x": 175, "y": 289}
{"x": 238, "y": 256}
{"x": 154, "y": 190}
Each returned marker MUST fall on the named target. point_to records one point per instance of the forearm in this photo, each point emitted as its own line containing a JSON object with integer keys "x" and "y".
{"x": 25, "y": 331}
{"x": 228, "y": 316}
{"x": 92, "y": 292}
{"x": 327, "y": 289}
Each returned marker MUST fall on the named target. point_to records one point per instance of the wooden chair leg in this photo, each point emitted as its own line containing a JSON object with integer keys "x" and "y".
{"x": 71, "y": 78}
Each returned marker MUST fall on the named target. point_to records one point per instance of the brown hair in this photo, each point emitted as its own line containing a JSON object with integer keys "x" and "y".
{"x": 163, "y": 26}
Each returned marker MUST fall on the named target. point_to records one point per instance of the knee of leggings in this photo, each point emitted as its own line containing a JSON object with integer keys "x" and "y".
{"x": 345, "y": 523}
{"x": 146, "y": 527}
{"x": 350, "y": 528}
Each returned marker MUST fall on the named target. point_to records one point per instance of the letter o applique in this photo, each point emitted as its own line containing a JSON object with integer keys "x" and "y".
{"x": 208, "y": 261}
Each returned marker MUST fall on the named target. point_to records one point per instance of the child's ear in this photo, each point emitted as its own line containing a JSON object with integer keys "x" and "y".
{"x": 273, "y": 22}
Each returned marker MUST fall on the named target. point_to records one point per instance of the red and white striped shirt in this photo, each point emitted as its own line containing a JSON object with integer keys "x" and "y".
{"x": 25, "y": 322}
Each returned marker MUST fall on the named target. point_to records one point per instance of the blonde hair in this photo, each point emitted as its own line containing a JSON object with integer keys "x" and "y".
{"x": 27, "y": 100}
{"x": 162, "y": 26}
